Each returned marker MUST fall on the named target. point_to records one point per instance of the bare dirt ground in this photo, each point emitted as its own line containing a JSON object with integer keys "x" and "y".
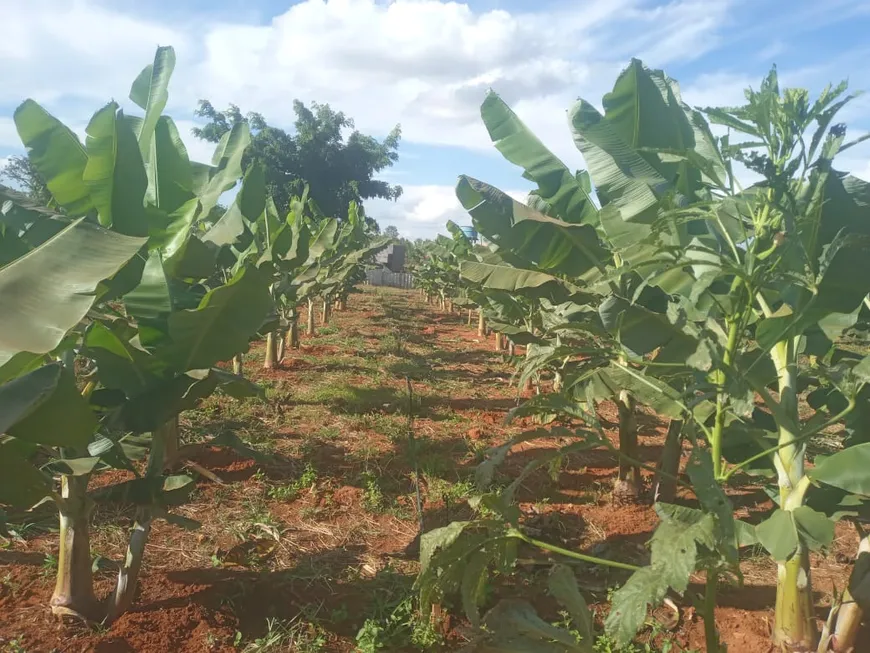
{"x": 296, "y": 552}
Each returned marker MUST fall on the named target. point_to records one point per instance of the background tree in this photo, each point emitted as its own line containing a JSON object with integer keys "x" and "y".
{"x": 24, "y": 176}
{"x": 336, "y": 169}
{"x": 391, "y": 232}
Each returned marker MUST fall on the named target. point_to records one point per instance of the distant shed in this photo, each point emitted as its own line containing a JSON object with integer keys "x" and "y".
{"x": 392, "y": 258}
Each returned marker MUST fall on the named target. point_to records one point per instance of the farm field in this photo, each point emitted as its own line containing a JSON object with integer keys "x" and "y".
{"x": 298, "y": 551}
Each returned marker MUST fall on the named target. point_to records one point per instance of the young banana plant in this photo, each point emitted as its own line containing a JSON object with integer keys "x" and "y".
{"x": 139, "y": 305}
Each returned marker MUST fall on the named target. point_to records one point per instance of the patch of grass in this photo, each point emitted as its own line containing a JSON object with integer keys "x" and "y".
{"x": 329, "y": 432}
{"x": 327, "y": 330}
{"x": 48, "y": 567}
{"x": 299, "y": 636}
{"x": 373, "y": 496}
{"x": 439, "y": 488}
{"x": 354, "y": 399}
{"x": 306, "y": 481}
{"x": 403, "y": 626}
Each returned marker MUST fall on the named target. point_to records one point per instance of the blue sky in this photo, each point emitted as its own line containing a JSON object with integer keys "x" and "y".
{"x": 424, "y": 64}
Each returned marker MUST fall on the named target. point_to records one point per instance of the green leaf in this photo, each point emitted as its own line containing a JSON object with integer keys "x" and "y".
{"x": 150, "y": 92}
{"x": 621, "y": 175}
{"x": 62, "y": 418}
{"x": 514, "y": 280}
{"x": 674, "y": 558}
{"x": 556, "y": 185}
{"x": 846, "y": 469}
{"x": 222, "y": 324}
{"x": 170, "y": 179}
{"x": 515, "y": 626}
{"x": 21, "y": 484}
{"x": 47, "y": 292}
{"x": 629, "y": 605}
{"x": 249, "y": 205}
{"x": 547, "y": 243}
{"x": 778, "y": 535}
{"x": 99, "y": 173}
{"x": 323, "y": 240}
{"x": 563, "y": 587}
{"x": 151, "y": 299}
{"x": 115, "y": 174}
{"x": 814, "y": 528}
{"x": 57, "y": 154}
{"x": 227, "y": 166}
{"x": 120, "y": 364}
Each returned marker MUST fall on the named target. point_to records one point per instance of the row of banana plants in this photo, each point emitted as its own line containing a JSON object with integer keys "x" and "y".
{"x": 657, "y": 279}
{"x": 122, "y": 302}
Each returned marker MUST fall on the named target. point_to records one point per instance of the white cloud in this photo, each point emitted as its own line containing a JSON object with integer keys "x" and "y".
{"x": 423, "y": 210}
{"x": 8, "y": 134}
{"x": 54, "y": 50}
{"x": 423, "y": 63}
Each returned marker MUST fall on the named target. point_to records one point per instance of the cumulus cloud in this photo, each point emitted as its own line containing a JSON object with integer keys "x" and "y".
{"x": 423, "y": 63}
{"x": 423, "y": 210}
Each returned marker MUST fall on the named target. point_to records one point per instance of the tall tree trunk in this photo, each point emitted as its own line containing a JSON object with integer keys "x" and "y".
{"x": 271, "y": 361}
{"x": 628, "y": 482}
{"x": 669, "y": 463}
{"x": 74, "y": 587}
{"x": 481, "y": 324}
{"x": 238, "y": 368}
{"x": 309, "y": 328}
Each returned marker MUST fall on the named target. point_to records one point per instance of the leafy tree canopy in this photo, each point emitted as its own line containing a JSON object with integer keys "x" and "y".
{"x": 24, "y": 176}
{"x": 337, "y": 169}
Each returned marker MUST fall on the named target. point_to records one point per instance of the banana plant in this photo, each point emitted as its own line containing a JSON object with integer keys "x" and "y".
{"x": 791, "y": 279}
{"x": 150, "y": 329}
{"x": 562, "y": 232}
{"x": 336, "y": 254}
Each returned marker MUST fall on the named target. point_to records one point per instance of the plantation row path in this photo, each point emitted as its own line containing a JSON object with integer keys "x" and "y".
{"x": 300, "y": 547}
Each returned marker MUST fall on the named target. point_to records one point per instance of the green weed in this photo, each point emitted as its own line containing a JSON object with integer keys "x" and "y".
{"x": 306, "y": 481}
{"x": 298, "y": 636}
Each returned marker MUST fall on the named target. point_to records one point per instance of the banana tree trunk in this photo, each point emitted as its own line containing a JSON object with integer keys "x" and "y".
{"x": 309, "y": 328}
{"x": 498, "y": 343}
{"x": 128, "y": 574}
{"x": 628, "y": 481}
{"x": 850, "y": 615}
{"x": 271, "y": 361}
{"x": 794, "y": 625}
{"x": 324, "y": 313}
{"x": 169, "y": 442}
{"x": 282, "y": 346}
{"x": 669, "y": 463}
{"x": 238, "y": 365}
{"x": 512, "y": 348}
{"x": 342, "y": 304}
{"x": 470, "y": 317}
{"x": 74, "y": 588}
{"x": 293, "y": 333}
{"x": 481, "y": 324}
